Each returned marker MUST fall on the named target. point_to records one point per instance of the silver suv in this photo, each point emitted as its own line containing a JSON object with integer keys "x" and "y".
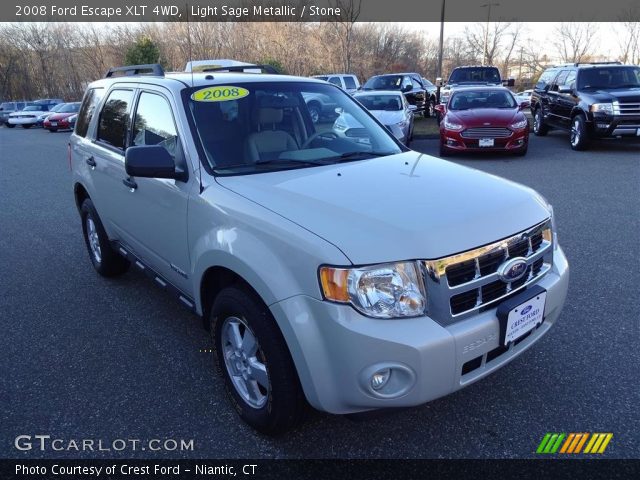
{"x": 348, "y": 273}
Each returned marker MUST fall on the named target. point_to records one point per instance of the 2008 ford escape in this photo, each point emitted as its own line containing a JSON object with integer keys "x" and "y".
{"x": 345, "y": 271}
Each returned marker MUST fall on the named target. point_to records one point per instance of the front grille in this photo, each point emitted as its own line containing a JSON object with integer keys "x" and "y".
{"x": 626, "y": 108}
{"x": 486, "y": 132}
{"x": 469, "y": 281}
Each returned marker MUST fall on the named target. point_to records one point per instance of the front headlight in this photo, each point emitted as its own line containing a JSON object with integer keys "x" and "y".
{"x": 520, "y": 124}
{"x": 603, "y": 108}
{"x": 449, "y": 125}
{"x": 392, "y": 290}
{"x": 401, "y": 124}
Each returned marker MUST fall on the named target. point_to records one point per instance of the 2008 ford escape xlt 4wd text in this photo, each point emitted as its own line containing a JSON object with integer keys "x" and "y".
{"x": 346, "y": 272}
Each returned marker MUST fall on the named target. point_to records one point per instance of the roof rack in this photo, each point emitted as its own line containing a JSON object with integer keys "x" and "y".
{"x": 577, "y": 64}
{"x": 242, "y": 68}
{"x": 131, "y": 70}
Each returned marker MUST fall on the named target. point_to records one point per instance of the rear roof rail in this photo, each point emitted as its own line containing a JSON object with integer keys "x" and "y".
{"x": 579, "y": 64}
{"x": 243, "y": 68}
{"x": 132, "y": 70}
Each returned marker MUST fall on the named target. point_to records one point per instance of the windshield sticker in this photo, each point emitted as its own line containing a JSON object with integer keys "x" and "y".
{"x": 222, "y": 93}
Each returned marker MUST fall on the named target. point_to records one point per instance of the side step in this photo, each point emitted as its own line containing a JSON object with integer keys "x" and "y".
{"x": 174, "y": 291}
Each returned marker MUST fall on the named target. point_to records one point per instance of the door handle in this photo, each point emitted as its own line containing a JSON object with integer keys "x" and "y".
{"x": 91, "y": 162}
{"x": 130, "y": 183}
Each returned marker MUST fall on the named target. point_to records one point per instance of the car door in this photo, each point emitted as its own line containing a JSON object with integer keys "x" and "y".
{"x": 154, "y": 210}
{"x": 555, "y": 105}
{"x": 566, "y": 101}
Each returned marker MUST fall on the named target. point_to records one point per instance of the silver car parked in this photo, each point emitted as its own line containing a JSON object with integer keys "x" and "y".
{"x": 350, "y": 275}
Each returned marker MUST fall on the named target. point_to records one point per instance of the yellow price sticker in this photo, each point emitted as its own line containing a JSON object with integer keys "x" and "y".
{"x": 222, "y": 93}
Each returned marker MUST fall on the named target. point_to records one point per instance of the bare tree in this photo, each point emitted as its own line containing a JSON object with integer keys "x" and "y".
{"x": 575, "y": 41}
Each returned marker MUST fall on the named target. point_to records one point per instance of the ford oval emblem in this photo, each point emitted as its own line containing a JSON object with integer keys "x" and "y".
{"x": 526, "y": 310}
{"x": 512, "y": 270}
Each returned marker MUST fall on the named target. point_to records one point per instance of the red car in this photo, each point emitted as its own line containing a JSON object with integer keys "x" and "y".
{"x": 64, "y": 118}
{"x": 483, "y": 119}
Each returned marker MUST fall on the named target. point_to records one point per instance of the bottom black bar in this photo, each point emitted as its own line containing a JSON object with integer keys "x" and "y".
{"x": 319, "y": 469}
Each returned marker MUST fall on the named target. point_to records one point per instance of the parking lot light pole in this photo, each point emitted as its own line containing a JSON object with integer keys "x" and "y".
{"x": 441, "y": 46}
{"x": 486, "y": 30}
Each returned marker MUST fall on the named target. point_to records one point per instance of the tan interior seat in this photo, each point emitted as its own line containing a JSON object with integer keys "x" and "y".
{"x": 269, "y": 142}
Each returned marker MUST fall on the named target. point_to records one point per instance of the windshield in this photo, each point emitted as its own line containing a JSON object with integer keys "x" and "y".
{"x": 33, "y": 108}
{"x": 475, "y": 74}
{"x": 391, "y": 103}
{"x": 609, "y": 77}
{"x": 6, "y": 106}
{"x": 69, "y": 108}
{"x": 253, "y": 127}
{"x": 387, "y": 82}
{"x": 470, "y": 99}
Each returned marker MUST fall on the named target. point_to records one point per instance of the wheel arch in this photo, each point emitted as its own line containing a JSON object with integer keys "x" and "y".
{"x": 80, "y": 194}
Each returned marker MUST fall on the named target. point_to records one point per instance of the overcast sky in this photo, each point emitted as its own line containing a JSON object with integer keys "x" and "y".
{"x": 607, "y": 44}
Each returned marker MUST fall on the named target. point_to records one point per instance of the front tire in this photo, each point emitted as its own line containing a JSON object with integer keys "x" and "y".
{"x": 579, "y": 137}
{"x": 253, "y": 358}
{"x": 539, "y": 127}
{"x": 444, "y": 151}
{"x": 106, "y": 261}
{"x": 314, "y": 112}
{"x": 9, "y": 125}
{"x": 522, "y": 151}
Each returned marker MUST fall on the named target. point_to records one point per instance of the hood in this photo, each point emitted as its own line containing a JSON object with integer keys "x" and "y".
{"x": 631, "y": 95}
{"x": 405, "y": 206}
{"x": 61, "y": 116}
{"x": 387, "y": 117}
{"x": 479, "y": 117}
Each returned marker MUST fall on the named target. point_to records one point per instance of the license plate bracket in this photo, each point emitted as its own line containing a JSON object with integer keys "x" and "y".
{"x": 507, "y": 315}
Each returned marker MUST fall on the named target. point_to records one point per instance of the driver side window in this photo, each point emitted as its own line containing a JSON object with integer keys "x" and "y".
{"x": 153, "y": 124}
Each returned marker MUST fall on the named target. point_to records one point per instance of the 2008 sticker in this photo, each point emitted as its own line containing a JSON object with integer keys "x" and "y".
{"x": 220, "y": 93}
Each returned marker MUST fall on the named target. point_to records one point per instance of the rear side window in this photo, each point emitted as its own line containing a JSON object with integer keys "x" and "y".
{"x": 335, "y": 81}
{"x": 91, "y": 100}
{"x": 114, "y": 118}
{"x": 349, "y": 82}
{"x": 154, "y": 123}
{"x": 545, "y": 79}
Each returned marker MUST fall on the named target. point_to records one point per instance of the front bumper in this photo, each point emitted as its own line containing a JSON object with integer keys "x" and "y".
{"x": 335, "y": 349}
{"x": 615, "y": 126}
{"x": 454, "y": 141}
{"x": 23, "y": 120}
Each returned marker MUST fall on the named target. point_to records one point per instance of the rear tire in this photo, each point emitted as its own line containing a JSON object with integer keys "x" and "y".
{"x": 253, "y": 358}
{"x": 579, "y": 137}
{"x": 106, "y": 261}
{"x": 9, "y": 125}
{"x": 539, "y": 127}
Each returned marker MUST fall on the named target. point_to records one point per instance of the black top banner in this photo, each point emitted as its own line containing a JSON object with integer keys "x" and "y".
{"x": 319, "y": 10}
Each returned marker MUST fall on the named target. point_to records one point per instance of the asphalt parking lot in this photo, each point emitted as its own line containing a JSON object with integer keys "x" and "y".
{"x": 86, "y": 357}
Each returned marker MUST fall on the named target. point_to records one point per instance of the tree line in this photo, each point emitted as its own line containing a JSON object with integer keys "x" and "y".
{"x": 59, "y": 59}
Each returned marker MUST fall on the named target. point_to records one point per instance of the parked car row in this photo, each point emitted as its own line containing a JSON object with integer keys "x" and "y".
{"x": 51, "y": 113}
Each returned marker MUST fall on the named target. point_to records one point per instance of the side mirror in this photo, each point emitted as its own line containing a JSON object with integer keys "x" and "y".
{"x": 565, "y": 89}
{"x": 407, "y": 88}
{"x": 524, "y": 104}
{"x": 413, "y": 108}
{"x": 439, "y": 82}
{"x": 440, "y": 108}
{"x": 338, "y": 110}
{"x": 509, "y": 82}
{"x": 150, "y": 161}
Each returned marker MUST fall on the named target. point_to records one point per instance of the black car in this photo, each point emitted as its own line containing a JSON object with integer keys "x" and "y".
{"x": 589, "y": 100}
{"x": 410, "y": 84}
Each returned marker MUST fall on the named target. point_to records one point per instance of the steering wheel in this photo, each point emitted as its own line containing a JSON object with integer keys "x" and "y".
{"x": 316, "y": 135}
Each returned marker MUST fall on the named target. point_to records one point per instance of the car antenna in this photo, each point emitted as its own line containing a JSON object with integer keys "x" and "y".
{"x": 193, "y": 85}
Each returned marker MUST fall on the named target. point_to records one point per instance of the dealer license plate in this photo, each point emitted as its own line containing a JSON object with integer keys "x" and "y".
{"x": 486, "y": 142}
{"x": 525, "y": 317}
{"x": 54, "y": 124}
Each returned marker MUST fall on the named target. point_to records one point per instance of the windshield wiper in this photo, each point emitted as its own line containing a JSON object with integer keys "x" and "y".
{"x": 274, "y": 161}
{"x": 348, "y": 156}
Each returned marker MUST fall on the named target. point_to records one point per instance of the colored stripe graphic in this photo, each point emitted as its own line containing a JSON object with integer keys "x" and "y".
{"x": 573, "y": 443}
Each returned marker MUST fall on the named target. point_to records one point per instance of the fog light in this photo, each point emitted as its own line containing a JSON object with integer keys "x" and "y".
{"x": 603, "y": 125}
{"x": 380, "y": 378}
